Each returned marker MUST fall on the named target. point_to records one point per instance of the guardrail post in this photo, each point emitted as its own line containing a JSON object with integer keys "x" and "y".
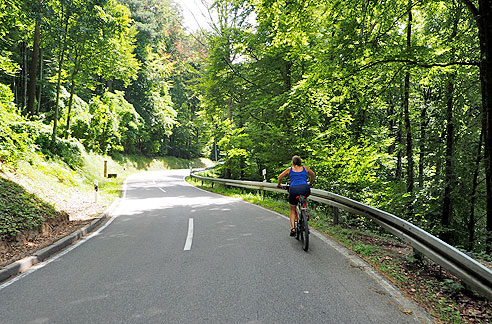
{"x": 212, "y": 184}
{"x": 202, "y": 182}
{"x": 336, "y": 214}
{"x": 418, "y": 255}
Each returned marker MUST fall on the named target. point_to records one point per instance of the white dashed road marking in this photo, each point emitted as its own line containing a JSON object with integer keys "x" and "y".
{"x": 189, "y": 239}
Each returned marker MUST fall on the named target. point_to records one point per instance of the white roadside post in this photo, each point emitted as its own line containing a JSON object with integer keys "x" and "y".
{"x": 264, "y": 180}
{"x": 96, "y": 189}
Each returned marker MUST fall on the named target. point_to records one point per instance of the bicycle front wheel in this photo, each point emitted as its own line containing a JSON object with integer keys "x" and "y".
{"x": 305, "y": 231}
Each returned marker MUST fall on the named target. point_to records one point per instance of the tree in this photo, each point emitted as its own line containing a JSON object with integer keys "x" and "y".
{"x": 483, "y": 18}
{"x": 109, "y": 56}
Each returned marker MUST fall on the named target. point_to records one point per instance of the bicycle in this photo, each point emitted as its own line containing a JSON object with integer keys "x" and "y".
{"x": 301, "y": 225}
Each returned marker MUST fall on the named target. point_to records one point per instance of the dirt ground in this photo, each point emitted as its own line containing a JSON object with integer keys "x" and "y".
{"x": 421, "y": 277}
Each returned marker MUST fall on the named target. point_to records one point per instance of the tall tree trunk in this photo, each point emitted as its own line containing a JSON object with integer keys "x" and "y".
{"x": 40, "y": 80}
{"x": 61, "y": 58}
{"x": 24, "y": 72}
{"x": 398, "y": 173}
{"x": 33, "y": 71}
{"x": 471, "y": 223}
{"x": 483, "y": 17}
{"x": 447, "y": 207}
{"x": 228, "y": 172}
{"x": 72, "y": 91}
{"x": 449, "y": 173}
{"x": 406, "y": 110}
{"x": 16, "y": 90}
{"x": 70, "y": 103}
{"x": 439, "y": 154}
{"x": 486, "y": 81}
{"x": 423, "y": 127}
{"x": 391, "y": 126}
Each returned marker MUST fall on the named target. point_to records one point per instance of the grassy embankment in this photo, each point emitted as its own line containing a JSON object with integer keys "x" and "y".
{"x": 440, "y": 293}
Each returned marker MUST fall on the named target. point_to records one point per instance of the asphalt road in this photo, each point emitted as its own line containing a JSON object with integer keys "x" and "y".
{"x": 236, "y": 265}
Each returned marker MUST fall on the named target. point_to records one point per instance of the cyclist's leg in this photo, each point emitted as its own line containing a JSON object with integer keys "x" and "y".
{"x": 292, "y": 215}
{"x": 292, "y": 212}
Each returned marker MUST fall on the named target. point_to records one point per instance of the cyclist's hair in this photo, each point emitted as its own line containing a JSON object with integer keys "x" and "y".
{"x": 296, "y": 160}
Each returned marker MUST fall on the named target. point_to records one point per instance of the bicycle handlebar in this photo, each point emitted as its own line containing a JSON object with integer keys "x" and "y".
{"x": 287, "y": 186}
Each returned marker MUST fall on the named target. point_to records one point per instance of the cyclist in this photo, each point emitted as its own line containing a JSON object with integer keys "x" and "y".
{"x": 298, "y": 186}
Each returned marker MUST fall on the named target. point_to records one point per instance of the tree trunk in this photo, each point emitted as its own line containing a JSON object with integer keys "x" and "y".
{"x": 40, "y": 80}
{"x": 72, "y": 91}
{"x": 485, "y": 35}
{"x": 228, "y": 172}
{"x": 24, "y": 72}
{"x": 398, "y": 148}
{"x": 70, "y": 102}
{"x": 483, "y": 17}
{"x": 449, "y": 183}
{"x": 423, "y": 126}
{"x": 391, "y": 126}
{"x": 16, "y": 91}
{"x": 449, "y": 173}
{"x": 471, "y": 223}
{"x": 61, "y": 58}
{"x": 33, "y": 71}
{"x": 406, "y": 110}
{"x": 439, "y": 154}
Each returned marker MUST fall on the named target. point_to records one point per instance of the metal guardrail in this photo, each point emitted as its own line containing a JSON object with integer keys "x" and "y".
{"x": 471, "y": 272}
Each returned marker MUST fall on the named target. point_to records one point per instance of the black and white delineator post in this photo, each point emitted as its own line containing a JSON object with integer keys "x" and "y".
{"x": 96, "y": 189}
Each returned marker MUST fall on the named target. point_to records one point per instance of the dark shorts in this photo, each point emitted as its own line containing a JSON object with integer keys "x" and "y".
{"x": 296, "y": 191}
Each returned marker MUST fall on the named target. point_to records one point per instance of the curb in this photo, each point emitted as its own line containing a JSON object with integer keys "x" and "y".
{"x": 22, "y": 265}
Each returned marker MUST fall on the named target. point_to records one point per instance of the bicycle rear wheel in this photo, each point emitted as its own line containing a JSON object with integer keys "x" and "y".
{"x": 304, "y": 231}
{"x": 298, "y": 230}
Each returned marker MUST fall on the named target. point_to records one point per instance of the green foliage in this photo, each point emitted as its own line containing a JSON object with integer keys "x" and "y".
{"x": 103, "y": 132}
{"x": 21, "y": 210}
{"x": 16, "y": 142}
{"x": 69, "y": 150}
{"x": 366, "y": 250}
{"x": 326, "y": 81}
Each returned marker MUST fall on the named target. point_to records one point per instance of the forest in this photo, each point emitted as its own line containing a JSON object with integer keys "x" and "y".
{"x": 388, "y": 102}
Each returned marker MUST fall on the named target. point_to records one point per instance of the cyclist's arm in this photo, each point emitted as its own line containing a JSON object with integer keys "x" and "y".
{"x": 311, "y": 175}
{"x": 282, "y": 175}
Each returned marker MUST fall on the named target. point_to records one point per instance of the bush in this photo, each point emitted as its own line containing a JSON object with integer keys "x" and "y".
{"x": 16, "y": 142}
{"x": 69, "y": 150}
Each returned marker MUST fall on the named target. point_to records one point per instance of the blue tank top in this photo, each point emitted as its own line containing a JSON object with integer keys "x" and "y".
{"x": 298, "y": 178}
